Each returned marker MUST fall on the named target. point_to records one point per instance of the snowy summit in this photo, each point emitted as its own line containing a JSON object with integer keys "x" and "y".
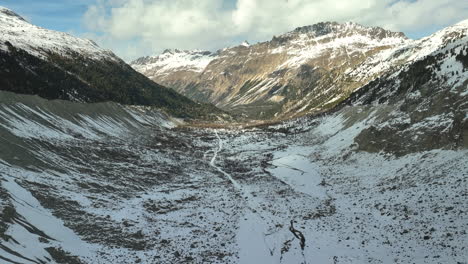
{"x": 39, "y": 41}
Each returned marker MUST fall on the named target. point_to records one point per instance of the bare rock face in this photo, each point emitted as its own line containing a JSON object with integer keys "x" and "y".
{"x": 309, "y": 69}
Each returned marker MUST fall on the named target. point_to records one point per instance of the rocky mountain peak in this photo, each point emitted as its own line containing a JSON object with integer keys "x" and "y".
{"x": 9, "y": 13}
{"x": 167, "y": 51}
{"x": 319, "y": 29}
{"x": 336, "y": 30}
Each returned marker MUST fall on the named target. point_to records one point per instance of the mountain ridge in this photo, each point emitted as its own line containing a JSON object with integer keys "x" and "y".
{"x": 307, "y": 70}
{"x": 56, "y": 65}
{"x": 258, "y": 75}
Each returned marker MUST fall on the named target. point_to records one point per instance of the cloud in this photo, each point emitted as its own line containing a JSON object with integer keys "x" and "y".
{"x": 153, "y": 25}
{"x": 156, "y": 25}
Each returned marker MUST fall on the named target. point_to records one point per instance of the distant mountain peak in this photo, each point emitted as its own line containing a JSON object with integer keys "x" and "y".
{"x": 170, "y": 59}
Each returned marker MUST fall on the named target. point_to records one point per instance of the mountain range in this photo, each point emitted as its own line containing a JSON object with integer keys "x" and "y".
{"x": 308, "y": 70}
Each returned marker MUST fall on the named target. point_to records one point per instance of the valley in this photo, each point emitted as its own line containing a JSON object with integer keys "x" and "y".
{"x": 126, "y": 185}
{"x": 332, "y": 143}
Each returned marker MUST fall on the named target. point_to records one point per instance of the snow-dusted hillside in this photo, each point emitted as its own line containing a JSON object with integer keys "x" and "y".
{"x": 173, "y": 60}
{"x": 416, "y": 50}
{"x": 56, "y": 65}
{"x": 41, "y": 42}
{"x": 307, "y": 43}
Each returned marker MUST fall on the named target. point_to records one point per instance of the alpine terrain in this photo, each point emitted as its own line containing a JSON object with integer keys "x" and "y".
{"x": 55, "y": 65}
{"x": 361, "y": 157}
{"x": 308, "y": 70}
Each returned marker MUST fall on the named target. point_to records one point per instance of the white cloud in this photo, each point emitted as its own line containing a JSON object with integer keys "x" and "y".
{"x": 152, "y": 25}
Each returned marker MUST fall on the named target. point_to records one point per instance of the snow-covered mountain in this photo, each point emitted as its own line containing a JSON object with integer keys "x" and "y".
{"x": 170, "y": 60}
{"x": 278, "y": 75}
{"x": 310, "y": 69}
{"x": 56, "y": 65}
{"x": 41, "y": 42}
{"x": 425, "y": 99}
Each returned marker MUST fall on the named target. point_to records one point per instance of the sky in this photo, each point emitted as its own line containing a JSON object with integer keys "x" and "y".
{"x": 134, "y": 28}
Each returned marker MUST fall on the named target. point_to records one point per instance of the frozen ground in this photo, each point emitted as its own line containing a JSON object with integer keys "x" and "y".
{"x": 106, "y": 184}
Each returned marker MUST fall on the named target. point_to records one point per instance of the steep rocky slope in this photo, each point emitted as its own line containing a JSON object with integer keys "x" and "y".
{"x": 55, "y": 65}
{"x": 311, "y": 69}
{"x": 426, "y": 100}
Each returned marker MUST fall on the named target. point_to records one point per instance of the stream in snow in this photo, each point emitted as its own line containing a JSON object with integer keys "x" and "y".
{"x": 252, "y": 230}
{"x": 213, "y": 159}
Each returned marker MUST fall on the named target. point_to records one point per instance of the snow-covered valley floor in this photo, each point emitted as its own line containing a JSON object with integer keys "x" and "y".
{"x": 110, "y": 184}
{"x": 350, "y": 207}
